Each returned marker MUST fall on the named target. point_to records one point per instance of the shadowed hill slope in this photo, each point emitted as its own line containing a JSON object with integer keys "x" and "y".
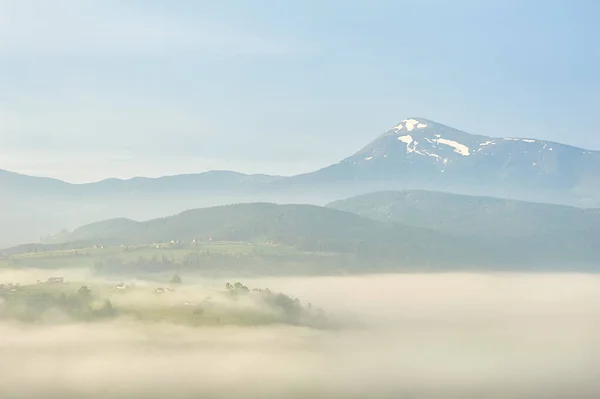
{"x": 437, "y": 231}
{"x": 462, "y": 214}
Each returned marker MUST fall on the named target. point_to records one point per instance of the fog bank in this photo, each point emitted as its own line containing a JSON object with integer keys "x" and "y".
{"x": 415, "y": 336}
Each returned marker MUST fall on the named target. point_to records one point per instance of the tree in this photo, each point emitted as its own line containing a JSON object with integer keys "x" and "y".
{"x": 84, "y": 291}
{"x": 107, "y": 308}
{"x": 62, "y": 299}
{"x": 199, "y": 311}
{"x": 240, "y": 288}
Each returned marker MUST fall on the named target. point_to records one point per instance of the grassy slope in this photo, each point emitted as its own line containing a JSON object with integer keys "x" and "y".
{"x": 219, "y": 258}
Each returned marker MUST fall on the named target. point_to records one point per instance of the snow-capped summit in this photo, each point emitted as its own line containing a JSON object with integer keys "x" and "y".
{"x": 410, "y": 125}
{"x": 421, "y": 153}
{"x": 419, "y": 141}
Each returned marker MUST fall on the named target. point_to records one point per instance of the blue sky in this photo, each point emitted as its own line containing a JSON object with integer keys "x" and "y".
{"x": 92, "y": 89}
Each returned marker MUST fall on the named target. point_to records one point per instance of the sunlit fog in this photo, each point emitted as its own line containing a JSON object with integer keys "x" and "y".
{"x": 426, "y": 336}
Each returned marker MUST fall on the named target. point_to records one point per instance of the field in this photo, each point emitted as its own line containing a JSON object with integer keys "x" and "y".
{"x": 211, "y": 258}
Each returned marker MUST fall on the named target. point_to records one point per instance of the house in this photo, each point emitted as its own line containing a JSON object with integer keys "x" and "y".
{"x": 55, "y": 280}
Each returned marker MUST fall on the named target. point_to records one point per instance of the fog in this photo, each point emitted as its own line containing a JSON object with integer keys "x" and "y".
{"x": 401, "y": 336}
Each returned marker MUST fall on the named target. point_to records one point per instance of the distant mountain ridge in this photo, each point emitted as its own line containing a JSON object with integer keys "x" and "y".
{"x": 416, "y": 153}
{"x": 206, "y": 180}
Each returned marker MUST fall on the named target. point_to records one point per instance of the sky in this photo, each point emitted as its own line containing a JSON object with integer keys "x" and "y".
{"x": 122, "y": 88}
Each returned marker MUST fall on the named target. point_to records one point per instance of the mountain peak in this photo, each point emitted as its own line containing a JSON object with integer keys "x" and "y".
{"x": 411, "y": 124}
{"x": 417, "y": 145}
{"x": 419, "y": 140}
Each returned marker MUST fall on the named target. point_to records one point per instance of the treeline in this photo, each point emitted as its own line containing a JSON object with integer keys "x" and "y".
{"x": 290, "y": 309}
{"x": 82, "y": 305}
{"x": 196, "y": 260}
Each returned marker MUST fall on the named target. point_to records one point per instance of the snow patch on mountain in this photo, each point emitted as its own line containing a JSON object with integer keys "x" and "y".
{"x": 458, "y": 147}
{"x": 410, "y": 125}
{"x": 406, "y": 139}
{"x": 411, "y": 148}
{"x": 424, "y": 152}
{"x": 421, "y": 151}
{"x": 523, "y": 140}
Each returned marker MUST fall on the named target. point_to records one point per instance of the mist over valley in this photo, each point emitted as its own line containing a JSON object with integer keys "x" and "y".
{"x": 392, "y": 199}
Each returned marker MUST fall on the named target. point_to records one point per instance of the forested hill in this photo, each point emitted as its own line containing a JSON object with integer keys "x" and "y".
{"x": 308, "y": 226}
{"x": 324, "y": 230}
{"x": 469, "y": 215}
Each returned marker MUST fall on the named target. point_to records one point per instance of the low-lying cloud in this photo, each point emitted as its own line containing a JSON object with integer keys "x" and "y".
{"x": 416, "y": 336}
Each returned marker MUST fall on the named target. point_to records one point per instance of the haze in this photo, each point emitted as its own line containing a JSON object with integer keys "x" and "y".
{"x": 421, "y": 336}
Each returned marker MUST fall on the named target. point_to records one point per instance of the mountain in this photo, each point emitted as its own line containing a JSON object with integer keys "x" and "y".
{"x": 414, "y": 154}
{"x": 420, "y": 153}
{"x": 519, "y": 236}
{"x": 476, "y": 216}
